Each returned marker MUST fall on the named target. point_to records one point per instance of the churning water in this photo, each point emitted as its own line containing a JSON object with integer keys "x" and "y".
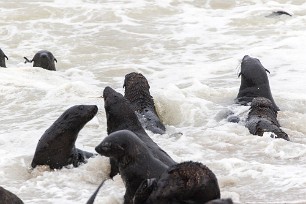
{"x": 190, "y": 52}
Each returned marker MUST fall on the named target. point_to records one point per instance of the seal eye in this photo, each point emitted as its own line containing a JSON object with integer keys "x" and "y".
{"x": 81, "y": 107}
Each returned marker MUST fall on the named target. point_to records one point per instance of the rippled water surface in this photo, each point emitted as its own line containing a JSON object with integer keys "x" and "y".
{"x": 190, "y": 52}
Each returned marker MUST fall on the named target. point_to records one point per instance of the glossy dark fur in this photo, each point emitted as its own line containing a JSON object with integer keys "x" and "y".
{"x": 138, "y": 93}
{"x": 56, "y": 147}
{"x": 44, "y": 59}
{"x": 120, "y": 116}
{"x": 187, "y": 182}
{"x": 2, "y": 59}
{"x": 7, "y": 197}
{"x": 136, "y": 162}
{"x": 263, "y": 118}
{"x": 254, "y": 82}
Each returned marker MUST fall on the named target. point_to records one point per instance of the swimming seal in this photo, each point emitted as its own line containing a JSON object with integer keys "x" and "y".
{"x": 56, "y": 147}
{"x": 263, "y": 118}
{"x": 136, "y": 162}
{"x": 120, "y": 116}
{"x": 138, "y": 93}
{"x": 186, "y": 182}
{"x": 43, "y": 59}
{"x": 7, "y": 197}
{"x": 254, "y": 82}
{"x": 2, "y": 59}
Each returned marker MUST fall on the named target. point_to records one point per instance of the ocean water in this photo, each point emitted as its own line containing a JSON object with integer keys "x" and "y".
{"x": 190, "y": 52}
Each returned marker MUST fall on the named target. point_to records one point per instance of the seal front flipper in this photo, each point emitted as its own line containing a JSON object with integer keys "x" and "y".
{"x": 56, "y": 147}
{"x": 27, "y": 60}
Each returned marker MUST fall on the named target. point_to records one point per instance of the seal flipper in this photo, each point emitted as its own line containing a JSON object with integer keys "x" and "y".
{"x": 114, "y": 168}
{"x": 92, "y": 198}
{"x": 27, "y": 60}
{"x": 80, "y": 156}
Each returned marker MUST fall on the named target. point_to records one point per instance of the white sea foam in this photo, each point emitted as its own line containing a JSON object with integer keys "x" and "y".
{"x": 190, "y": 53}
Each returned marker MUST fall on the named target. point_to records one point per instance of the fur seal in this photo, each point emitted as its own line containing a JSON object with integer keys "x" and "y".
{"x": 138, "y": 93}
{"x": 7, "y": 197}
{"x": 136, "y": 162}
{"x": 44, "y": 59}
{"x": 186, "y": 182}
{"x": 2, "y": 59}
{"x": 263, "y": 118}
{"x": 56, "y": 147}
{"x": 254, "y": 82}
{"x": 120, "y": 116}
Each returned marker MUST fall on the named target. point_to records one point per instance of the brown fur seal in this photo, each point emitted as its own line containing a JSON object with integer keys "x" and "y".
{"x": 2, "y": 59}
{"x": 6, "y": 197}
{"x": 56, "y": 147}
{"x": 138, "y": 93}
{"x": 263, "y": 118}
{"x": 44, "y": 59}
{"x": 136, "y": 162}
{"x": 254, "y": 82}
{"x": 120, "y": 116}
{"x": 186, "y": 182}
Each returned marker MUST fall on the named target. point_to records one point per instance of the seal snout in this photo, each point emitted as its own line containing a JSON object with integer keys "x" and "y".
{"x": 107, "y": 91}
{"x": 246, "y": 57}
{"x": 103, "y": 148}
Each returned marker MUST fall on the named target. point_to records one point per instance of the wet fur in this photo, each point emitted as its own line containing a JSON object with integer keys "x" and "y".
{"x": 56, "y": 147}
{"x": 121, "y": 116}
{"x": 263, "y": 118}
{"x": 254, "y": 82}
{"x": 7, "y": 197}
{"x": 187, "y": 182}
{"x": 134, "y": 159}
{"x": 138, "y": 93}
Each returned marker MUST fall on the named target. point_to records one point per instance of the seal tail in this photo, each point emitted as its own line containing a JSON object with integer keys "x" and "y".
{"x": 92, "y": 198}
{"x": 27, "y": 60}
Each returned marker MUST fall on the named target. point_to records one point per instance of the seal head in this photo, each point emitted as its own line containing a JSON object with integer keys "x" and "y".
{"x": 254, "y": 82}
{"x": 56, "y": 147}
{"x": 136, "y": 162}
{"x": 43, "y": 59}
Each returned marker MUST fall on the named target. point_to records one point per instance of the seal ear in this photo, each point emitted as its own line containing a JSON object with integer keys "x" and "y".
{"x": 267, "y": 71}
{"x": 55, "y": 60}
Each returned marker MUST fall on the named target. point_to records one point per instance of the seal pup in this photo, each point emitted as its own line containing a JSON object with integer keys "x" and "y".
{"x": 263, "y": 118}
{"x": 135, "y": 161}
{"x": 2, "y": 59}
{"x": 43, "y": 59}
{"x": 186, "y": 182}
{"x": 56, "y": 147}
{"x": 254, "y": 82}
{"x": 7, "y": 197}
{"x": 138, "y": 93}
{"x": 120, "y": 116}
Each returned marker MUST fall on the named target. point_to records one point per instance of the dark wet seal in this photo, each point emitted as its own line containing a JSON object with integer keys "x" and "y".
{"x": 56, "y": 147}
{"x": 186, "y": 182}
{"x": 2, "y": 59}
{"x": 121, "y": 116}
{"x": 254, "y": 82}
{"x": 7, "y": 197}
{"x": 263, "y": 118}
{"x": 43, "y": 59}
{"x": 137, "y": 91}
{"x": 278, "y": 13}
{"x": 134, "y": 159}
